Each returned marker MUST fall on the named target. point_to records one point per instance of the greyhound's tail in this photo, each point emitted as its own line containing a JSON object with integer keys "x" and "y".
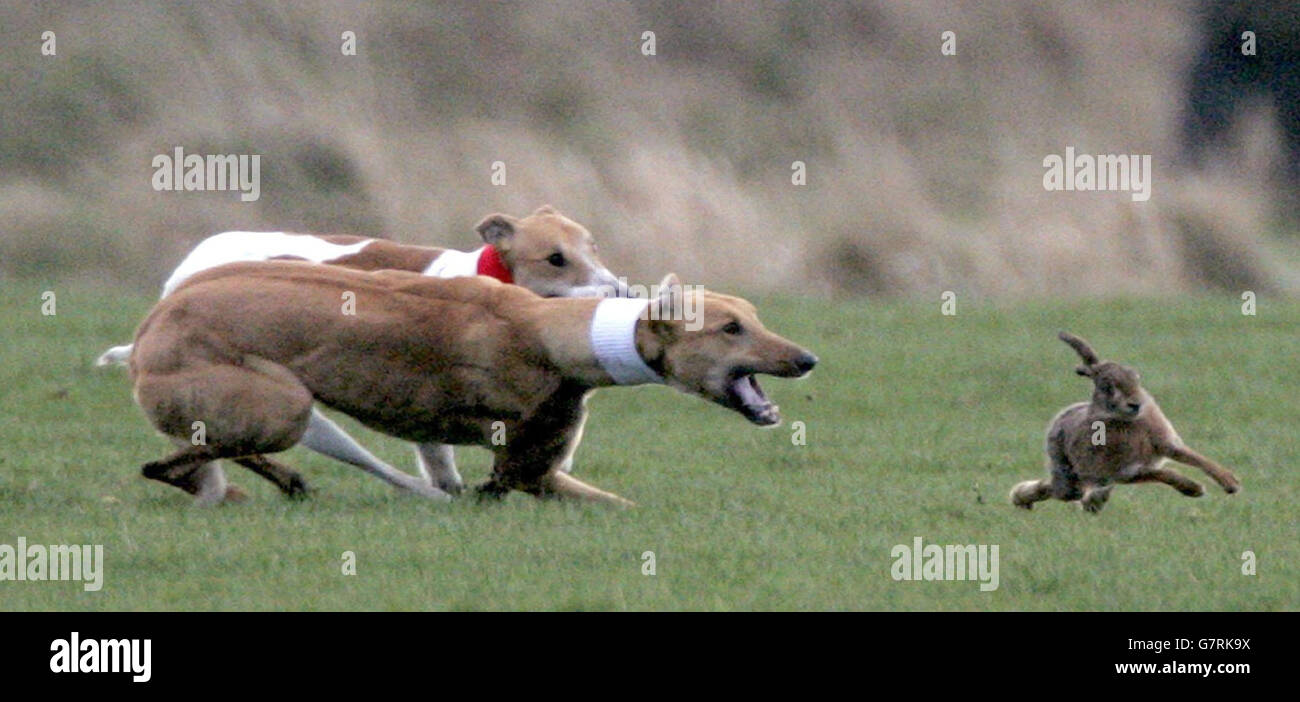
{"x": 117, "y": 355}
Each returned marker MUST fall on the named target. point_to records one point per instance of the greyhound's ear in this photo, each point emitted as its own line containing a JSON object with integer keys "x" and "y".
{"x": 670, "y": 293}
{"x": 497, "y": 230}
{"x": 663, "y": 330}
{"x": 545, "y": 210}
{"x": 1084, "y": 371}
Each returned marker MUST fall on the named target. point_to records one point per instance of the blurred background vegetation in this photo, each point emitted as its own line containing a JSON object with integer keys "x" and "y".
{"x": 924, "y": 171}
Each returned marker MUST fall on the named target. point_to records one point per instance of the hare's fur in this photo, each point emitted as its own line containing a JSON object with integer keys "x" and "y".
{"x": 1118, "y": 437}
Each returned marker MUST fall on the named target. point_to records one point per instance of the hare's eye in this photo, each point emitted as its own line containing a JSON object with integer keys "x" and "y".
{"x": 732, "y": 328}
{"x": 556, "y": 259}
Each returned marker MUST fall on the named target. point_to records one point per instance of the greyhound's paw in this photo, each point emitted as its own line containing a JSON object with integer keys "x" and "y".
{"x": 298, "y": 488}
{"x": 427, "y": 491}
{"x": 1196, "y": 490}
{"x": 451, "y": 487}
{"x": 490, "y": 491}
{"x": 153, "y": 470}
{"x": 1231, "y": 487}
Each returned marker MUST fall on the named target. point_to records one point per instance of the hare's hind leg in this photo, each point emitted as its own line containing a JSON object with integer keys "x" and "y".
{"x": 1094, "y": 497}
{"x": 1061, "y": 483}
{"x": 1175, "y": 480}
{"x": 1026, "y": 493}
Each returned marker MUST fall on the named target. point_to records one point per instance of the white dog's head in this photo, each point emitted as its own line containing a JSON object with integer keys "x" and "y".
{"x": 550, "y": 254}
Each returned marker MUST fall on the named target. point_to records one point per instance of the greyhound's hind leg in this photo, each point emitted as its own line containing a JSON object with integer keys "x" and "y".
{"x": 209, "y": 486}
{"x": 191, "y": 470}
{"x": 208, "y": 483}
{"x": 252, "y": 408}
{"x": 285, "y": 478}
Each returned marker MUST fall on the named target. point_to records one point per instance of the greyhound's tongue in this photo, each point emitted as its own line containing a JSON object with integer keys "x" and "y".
{"x": 748, "y": 392}
{"x": 757, "y": 407}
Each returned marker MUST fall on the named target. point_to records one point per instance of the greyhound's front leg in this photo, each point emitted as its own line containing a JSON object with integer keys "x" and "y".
{"x": 511, "y": 473}
{"x": 552, "y": 483}
{"x": 437, "y": 464}
{"x": 325, "y": 437}
{"x": 560, "y": 483}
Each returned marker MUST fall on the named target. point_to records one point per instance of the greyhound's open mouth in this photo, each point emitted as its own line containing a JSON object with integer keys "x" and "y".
{"x": 745, "y": 396}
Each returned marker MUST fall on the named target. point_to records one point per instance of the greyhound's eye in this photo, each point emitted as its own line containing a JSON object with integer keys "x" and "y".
{"x": 556, "y": 259}
{"x": 732, "y": 328}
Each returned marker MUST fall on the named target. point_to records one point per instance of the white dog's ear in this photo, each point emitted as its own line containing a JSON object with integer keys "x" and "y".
{"x": 545, "y": 210}
{"x": 497, "y": 230}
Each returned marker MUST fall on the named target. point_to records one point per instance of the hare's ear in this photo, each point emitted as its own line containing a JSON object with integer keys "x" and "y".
{"x": 1085, "y": 371}
{"x": 1080, "y": 347}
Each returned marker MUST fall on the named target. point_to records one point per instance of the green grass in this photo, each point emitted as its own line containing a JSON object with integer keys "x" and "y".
{"x": 917, "y": 425}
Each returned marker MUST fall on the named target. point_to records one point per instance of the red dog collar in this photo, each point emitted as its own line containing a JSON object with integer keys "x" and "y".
{"x": 490, "y": 265}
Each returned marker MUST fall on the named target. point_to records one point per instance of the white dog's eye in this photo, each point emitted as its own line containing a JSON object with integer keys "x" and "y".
{"x": 556, "y": 259}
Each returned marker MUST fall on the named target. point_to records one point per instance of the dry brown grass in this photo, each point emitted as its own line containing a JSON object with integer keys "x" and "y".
{"x": 924, "y": 171}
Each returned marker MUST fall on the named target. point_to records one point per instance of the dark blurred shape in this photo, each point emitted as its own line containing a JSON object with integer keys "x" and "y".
{"x": 1223, "y": 79}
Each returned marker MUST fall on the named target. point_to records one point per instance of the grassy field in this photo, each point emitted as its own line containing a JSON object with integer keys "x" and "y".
{"x": 917, "y": 425}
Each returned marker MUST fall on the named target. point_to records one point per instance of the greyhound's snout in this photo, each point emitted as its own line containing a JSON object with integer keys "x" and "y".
{"x": 609, "y": 286}
{"x": 805, "y": 362}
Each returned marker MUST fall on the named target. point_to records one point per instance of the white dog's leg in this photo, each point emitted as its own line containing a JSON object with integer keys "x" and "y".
{"x": 211, "y": 483}
{"x": 438, "y": 466}
{"x": 325, "y": 437}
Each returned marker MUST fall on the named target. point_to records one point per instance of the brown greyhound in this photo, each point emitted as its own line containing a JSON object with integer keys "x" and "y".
{"x": 248, "y": 347}
{"x": 545, "y": 252}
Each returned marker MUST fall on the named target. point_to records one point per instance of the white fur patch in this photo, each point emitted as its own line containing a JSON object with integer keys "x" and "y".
{"x": 455, "y": 264}
{"x": 233, "y": 247}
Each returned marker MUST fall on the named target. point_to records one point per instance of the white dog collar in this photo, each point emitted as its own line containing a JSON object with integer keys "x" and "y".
{"x": 613, "y": 340}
